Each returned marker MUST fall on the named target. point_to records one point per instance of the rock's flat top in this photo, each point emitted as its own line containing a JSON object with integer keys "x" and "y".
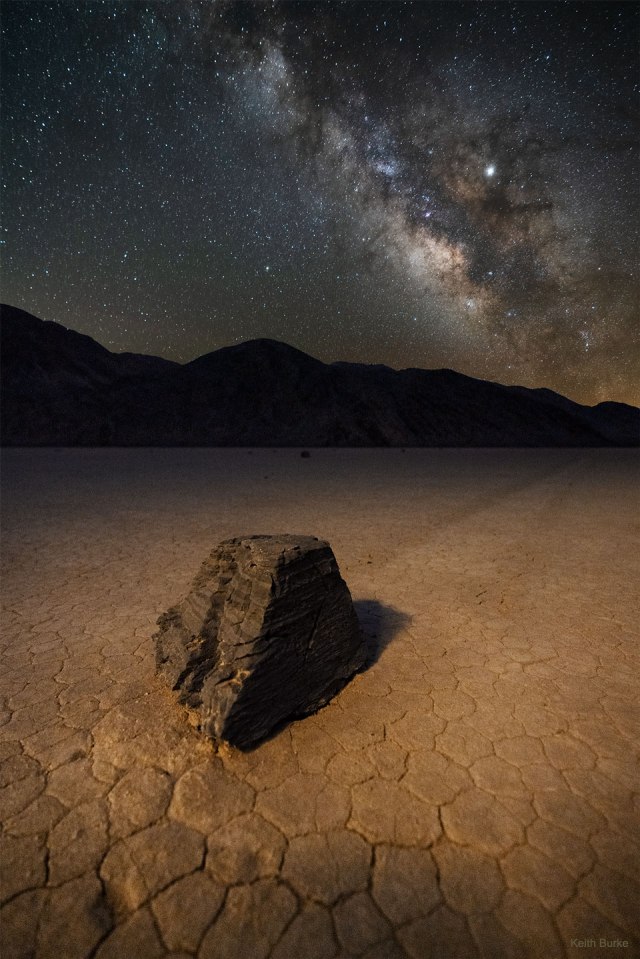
{"x": 473, "y": 793}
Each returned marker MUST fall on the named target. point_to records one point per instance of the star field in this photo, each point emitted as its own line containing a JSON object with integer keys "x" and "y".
{"x": 417, "y": 184}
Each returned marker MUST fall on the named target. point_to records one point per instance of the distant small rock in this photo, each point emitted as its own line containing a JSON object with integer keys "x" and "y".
{"x": 267, "y": 633}
{"x": 305, "y": 454}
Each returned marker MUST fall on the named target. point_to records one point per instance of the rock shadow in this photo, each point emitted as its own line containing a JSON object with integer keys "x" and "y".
{"x": 380, "y": 624}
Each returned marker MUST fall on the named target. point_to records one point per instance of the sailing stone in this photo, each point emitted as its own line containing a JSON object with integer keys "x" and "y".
{"x": 267, "y": 633}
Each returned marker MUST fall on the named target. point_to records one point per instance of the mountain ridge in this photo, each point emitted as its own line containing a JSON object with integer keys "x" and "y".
{"x": 62, "y": 388}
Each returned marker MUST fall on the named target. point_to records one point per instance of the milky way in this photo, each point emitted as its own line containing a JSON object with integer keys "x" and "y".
{"x": 417, "y": 184}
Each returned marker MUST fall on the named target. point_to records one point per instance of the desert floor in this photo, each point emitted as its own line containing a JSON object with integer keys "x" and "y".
{"x": 475, "y": 792}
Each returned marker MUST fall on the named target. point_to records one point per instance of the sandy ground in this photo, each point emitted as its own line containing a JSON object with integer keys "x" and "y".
{"x": 475, "y": 792}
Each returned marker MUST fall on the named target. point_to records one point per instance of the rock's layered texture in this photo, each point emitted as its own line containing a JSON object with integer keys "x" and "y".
{"x": 268, "y": 632}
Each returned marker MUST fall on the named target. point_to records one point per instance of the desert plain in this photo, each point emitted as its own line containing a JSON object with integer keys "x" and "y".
{"x": 475, "y": 792}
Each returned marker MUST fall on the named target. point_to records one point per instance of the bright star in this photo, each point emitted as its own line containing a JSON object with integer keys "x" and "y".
{"x": 490, "y": 170}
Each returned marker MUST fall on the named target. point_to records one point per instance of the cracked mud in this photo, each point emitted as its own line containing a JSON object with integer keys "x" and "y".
{"x": 473, "y": 793}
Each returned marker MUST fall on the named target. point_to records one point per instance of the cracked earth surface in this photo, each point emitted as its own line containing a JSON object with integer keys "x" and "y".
{"x": 473, "y": 793}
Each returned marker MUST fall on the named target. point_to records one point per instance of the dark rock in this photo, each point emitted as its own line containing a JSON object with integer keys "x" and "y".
{"x": 267, "y": 633}
{"x": 305, "y": 454}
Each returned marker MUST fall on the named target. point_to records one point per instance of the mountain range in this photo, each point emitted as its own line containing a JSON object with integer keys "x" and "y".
{"x": 62, "y": 388}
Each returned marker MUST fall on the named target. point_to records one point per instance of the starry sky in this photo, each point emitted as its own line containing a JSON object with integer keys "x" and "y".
{"x": 431, "y": 184}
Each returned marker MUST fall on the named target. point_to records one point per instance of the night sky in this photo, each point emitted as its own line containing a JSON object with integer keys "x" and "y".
{"x": 416, "y": 184}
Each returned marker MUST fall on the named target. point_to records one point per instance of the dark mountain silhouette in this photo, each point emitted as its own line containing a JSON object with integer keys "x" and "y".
{"x": 60, "y": 388}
